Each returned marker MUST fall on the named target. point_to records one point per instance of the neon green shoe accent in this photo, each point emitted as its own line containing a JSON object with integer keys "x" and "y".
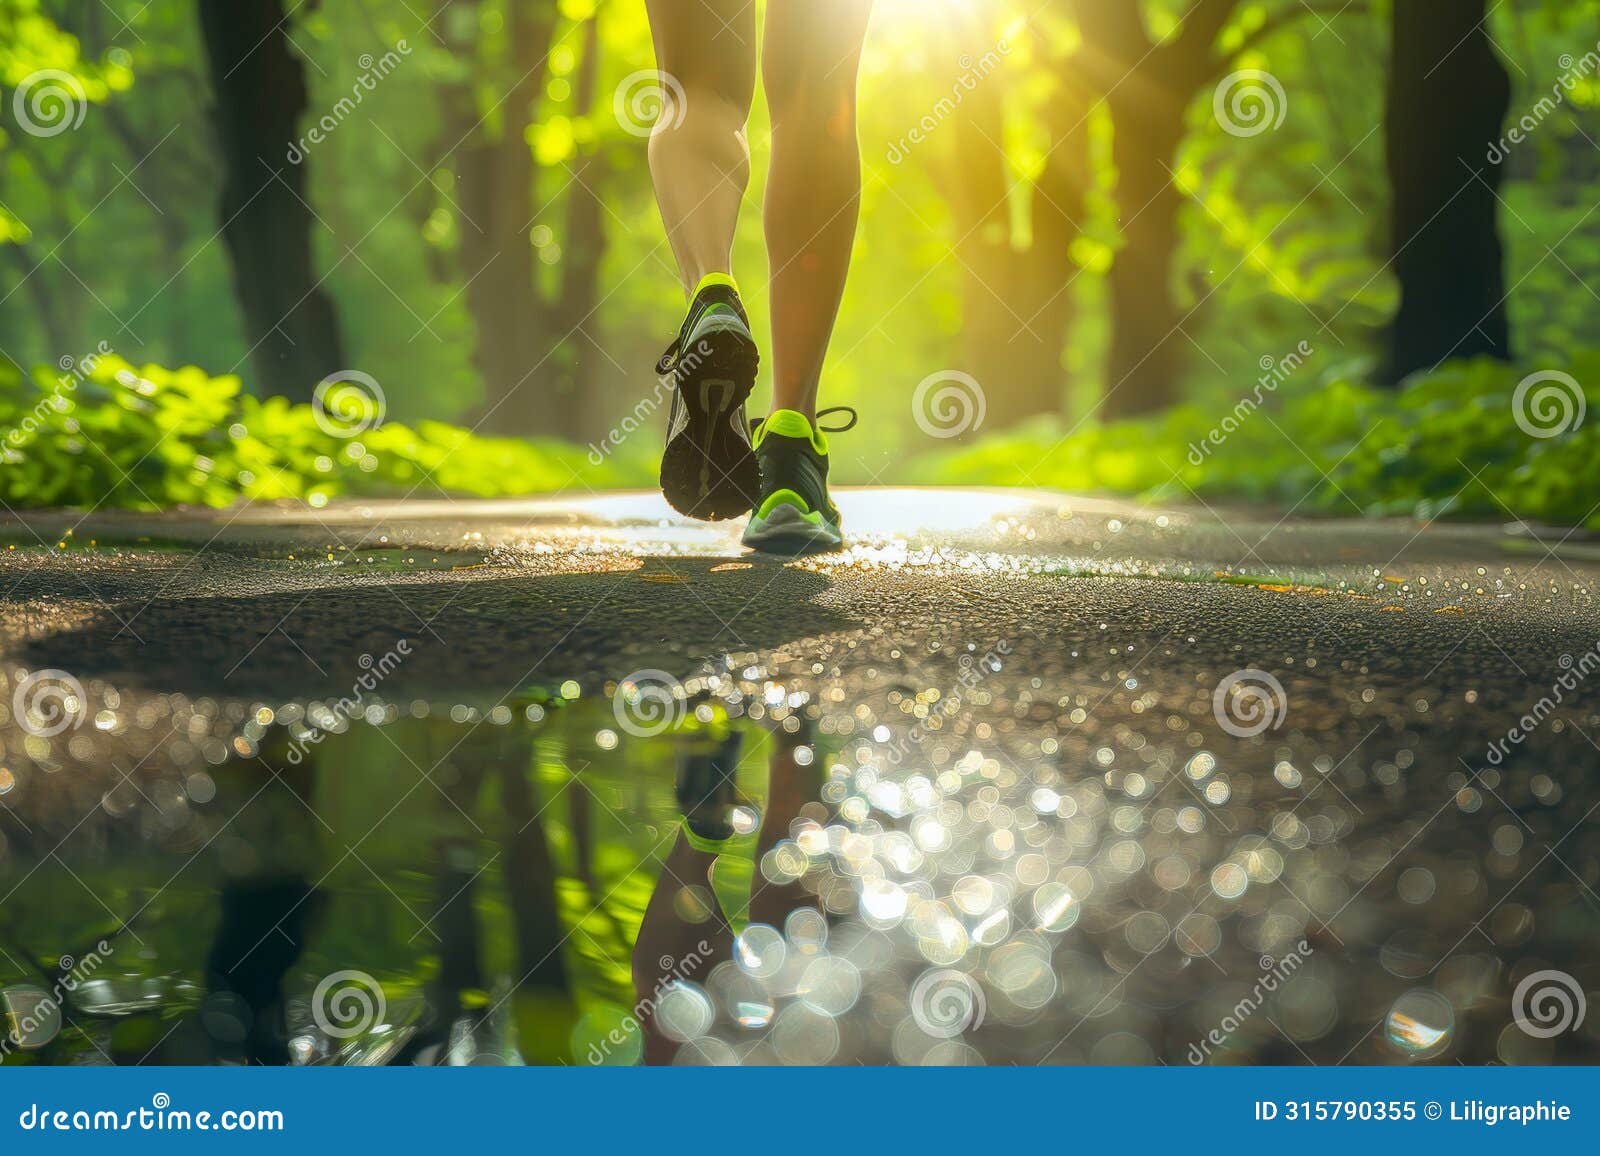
{"x": 787, "y": 498}
{"x": 732, "y": 873}
{"x": 733, "y": 845}
{"x": 732, "y": 882}
{"x": 723, "y": 279}
{"x": 789, "y": 424}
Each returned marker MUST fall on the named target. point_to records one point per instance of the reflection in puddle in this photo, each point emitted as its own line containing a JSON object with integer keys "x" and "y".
{"x": 731, "y": 872}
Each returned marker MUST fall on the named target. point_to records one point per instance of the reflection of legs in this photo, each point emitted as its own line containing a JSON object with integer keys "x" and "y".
{"x": 267, "y": 914}
{"x": 699, "y": 155}
{"x": 812, "y": 52}
{"x": 682, "y": 924}
{"x": 790, "y": 788}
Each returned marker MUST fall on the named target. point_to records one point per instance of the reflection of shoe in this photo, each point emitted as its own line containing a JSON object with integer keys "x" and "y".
{"x": 708, "y": 791}
{"x": 708, "y": 469}
{"x": 795, "y": 515}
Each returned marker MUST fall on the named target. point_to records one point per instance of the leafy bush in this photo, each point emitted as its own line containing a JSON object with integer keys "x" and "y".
{"x": 1446, "y": 445}
{"x": 109, "y": 434}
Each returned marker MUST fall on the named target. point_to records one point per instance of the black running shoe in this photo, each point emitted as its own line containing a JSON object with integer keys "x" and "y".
{"x": 707, "y": 788}
{"x": 709, "y": 469}
{"x": 794, "y": 514}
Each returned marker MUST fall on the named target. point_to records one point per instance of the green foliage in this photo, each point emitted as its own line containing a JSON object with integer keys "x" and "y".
{"x": 109, "y": 434}
{"x": 1445, "y": 445}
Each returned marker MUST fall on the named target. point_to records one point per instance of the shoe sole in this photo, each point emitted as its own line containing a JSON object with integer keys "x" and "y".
{"x": 708, "y": 470}
{"x": 786, "y": 532}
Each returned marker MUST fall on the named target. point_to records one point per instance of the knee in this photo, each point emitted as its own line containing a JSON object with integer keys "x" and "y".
{"x": 820, "y": 110}
{"x": 724, "y": 100}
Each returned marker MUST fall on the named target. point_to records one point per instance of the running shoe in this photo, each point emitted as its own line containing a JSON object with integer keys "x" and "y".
{"x": 794, "y": 514}
{"x": 709, "y": 469}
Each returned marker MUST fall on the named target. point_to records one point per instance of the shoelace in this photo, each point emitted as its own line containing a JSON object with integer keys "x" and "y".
{"x": 845, "y": 409}
{"x": 853, "y": 419}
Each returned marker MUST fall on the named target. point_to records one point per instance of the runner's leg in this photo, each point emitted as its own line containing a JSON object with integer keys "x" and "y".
{"x": 811, "y": 57}
{"x": 699, "y": 155}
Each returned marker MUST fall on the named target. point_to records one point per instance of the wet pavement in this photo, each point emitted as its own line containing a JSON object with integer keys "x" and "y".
{"x": 1018, "y": 778}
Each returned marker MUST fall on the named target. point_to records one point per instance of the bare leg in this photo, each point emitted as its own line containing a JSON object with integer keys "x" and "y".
{"x": 671, "y": 946}
{"x": 699, "y": 155}
{"x": 812, "y": 55}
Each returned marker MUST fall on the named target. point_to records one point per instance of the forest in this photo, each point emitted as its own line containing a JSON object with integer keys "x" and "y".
{"x": 1334, "y": 256}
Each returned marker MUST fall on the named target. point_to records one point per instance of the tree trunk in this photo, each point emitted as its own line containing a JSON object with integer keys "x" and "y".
{"x": 1448, "y": 98}
{"x": 582, "y": 363}
{"x": 259, "y": 90}
{"x": 494, "y": 185}
{"x": 1145, "y": 357}
{"x": 1016, "y": 303}
{"x": 1147, "y": 87}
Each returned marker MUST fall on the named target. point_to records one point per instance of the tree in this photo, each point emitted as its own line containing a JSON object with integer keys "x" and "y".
{"x": 1447, "y": 103}
{"x": 1147, "y": 86}
{"x": 259, "y": 95}
{"x": 1015, "y": 285}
